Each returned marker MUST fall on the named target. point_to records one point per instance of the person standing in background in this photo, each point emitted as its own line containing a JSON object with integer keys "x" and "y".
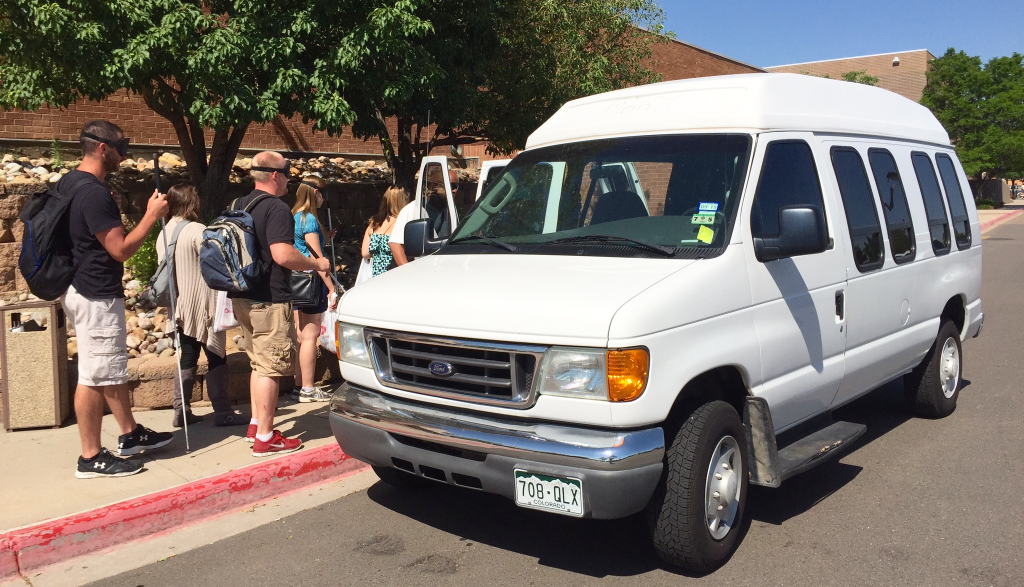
{"x": 265, "y": 312}
{"x": 309, "y": 236}
{"x": 375, "y": 245}
{"x": 195, "y": 307}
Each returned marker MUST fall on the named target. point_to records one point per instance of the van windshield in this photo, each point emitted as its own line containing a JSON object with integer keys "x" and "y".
{"x": 655, "y": 196}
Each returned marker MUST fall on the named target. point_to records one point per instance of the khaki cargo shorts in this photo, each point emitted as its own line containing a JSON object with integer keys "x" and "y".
{"x": 102, "y": 348}
{"x": 268, "y": 331}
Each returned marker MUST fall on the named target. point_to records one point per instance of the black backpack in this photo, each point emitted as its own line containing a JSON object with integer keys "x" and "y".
{"x": 46, "y": 260}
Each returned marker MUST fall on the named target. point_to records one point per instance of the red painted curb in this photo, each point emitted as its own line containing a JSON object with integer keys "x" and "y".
{"x": 26, "y": 549}
{"x": 1002, "y": 218}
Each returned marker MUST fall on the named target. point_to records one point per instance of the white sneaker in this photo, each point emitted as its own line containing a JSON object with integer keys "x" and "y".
{"x": 314, "y": 394}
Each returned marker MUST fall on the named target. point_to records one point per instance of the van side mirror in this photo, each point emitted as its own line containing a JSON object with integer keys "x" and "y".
{"x": 801, "y": 232}
{"x": 417, "y": 239}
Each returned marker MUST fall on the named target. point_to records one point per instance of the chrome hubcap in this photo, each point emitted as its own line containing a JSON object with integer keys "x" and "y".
{"x": 949, "y": 368}
{"x": 722, "y": 490}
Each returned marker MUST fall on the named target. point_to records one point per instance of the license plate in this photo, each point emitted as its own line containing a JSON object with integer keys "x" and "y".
{"x": 562, "y": 495}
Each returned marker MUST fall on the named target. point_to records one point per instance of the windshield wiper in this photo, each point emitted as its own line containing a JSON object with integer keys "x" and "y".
{"x": 487, "y": 239}
{"x": 604, "y": 238}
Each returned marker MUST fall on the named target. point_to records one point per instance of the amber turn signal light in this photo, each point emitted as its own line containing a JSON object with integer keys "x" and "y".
{"x": 337, "y": 340}
{"x": 627, "y": 374}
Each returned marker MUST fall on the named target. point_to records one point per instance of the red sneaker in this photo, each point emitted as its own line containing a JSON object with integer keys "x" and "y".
{"x": 275, "y": 446}
{"x": 250, "y": 434}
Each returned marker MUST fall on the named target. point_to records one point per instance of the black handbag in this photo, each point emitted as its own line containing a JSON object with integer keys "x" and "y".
{"x": 306, "y": 287}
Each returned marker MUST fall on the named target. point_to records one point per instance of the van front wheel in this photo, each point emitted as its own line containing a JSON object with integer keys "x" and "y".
{"x": 696, "y": 511}
{"x": 933, "y": 386}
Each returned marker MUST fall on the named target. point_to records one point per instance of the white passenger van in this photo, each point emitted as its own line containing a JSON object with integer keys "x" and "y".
{"x": 794, "y": 242}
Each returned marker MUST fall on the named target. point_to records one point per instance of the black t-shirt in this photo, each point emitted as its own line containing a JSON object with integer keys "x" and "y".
{"x": 92, "y": 211}
{"x": 274, "y": 224}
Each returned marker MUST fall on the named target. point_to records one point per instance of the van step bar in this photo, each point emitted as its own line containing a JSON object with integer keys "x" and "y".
{"x": 814, "y": 449}
{"x": 769, "y": 465}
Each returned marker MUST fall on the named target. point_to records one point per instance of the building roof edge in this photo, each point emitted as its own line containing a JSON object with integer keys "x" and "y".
{"x": 847, "y": 58}
{"x": 708, "y": 51}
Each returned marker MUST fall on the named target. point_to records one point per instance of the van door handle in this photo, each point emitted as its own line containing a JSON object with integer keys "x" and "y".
{"x": 840, "y": 305}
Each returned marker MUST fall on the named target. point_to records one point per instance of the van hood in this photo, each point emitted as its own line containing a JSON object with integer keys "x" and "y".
{"x": 542, "y": 299}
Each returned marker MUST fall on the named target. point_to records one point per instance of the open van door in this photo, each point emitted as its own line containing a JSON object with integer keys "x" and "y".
{"x": 434, "y": 196}
{"x": 489, "y": 170}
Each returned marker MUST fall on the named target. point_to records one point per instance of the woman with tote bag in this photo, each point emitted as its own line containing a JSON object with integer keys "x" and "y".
{"x": 195, "y": 307}
{"x": 310, "y": 240}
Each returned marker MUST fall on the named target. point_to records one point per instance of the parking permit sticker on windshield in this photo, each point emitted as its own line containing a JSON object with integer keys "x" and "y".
{"x": 703, "y": 219}
{"x": 707, "y": 207}
{"x": 705, "y": 235}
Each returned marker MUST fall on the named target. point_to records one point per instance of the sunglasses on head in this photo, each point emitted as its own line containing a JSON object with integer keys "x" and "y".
{"x": 285, "y": 171}
{"x": 121, "y": 146}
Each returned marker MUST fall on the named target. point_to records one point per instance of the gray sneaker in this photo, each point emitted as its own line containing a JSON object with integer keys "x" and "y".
{"x": 314, "y": 394}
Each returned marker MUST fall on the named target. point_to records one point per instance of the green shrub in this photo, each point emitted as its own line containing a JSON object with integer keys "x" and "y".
{"x": 143, "y": 263}
{"x": 56, "y": 154}
{"x": 986, "y": 204}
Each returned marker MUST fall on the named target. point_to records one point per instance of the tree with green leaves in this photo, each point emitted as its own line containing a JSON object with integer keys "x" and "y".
{"x": 463, "y": 71}
{"x": 982, "y": 109}
{"x": 494, "y": 70}
{"x": 859, "y": 76}
{"x": 210, "y": 67}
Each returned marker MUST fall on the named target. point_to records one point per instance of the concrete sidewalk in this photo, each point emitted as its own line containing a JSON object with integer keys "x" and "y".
{"x": 992, "y": 218}
{"x": 39, "y": 481}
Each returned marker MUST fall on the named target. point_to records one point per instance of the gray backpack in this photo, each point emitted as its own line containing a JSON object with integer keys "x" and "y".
{"x": 162, "y": 284}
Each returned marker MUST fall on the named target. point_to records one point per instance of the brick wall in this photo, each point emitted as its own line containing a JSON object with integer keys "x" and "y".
{"x": 908, "y": 79}
{"x": 675, "y": 60}
{"x": 146, "y": 127}
{"x": 654, "y": 179}
{"x": 678, "y": 60}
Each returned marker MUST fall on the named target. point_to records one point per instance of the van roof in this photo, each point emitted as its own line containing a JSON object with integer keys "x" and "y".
{"x": 753, "y": 101}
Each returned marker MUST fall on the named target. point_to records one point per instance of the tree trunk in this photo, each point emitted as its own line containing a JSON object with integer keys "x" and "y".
{"x": 210, "y": 174}
{"x": 213, "y": 187}
{"x": 213, "y": 193}
{"x": 407, "y": 160}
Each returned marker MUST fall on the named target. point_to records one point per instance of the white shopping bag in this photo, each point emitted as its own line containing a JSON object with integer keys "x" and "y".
{"x": 224, "y": 319}
{"x": 327, "y": 339}
{"x": 365, "y": 272}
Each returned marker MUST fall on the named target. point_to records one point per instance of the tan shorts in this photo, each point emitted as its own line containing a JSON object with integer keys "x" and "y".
{"x": 100, "y": 327}
{"x": 268, "y": 331}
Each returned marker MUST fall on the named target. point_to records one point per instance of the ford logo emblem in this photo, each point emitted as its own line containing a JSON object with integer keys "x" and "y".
{"x": 441, "y": 369}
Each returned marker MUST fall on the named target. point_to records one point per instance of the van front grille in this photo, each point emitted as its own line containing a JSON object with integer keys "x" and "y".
{"x": 476, "y": 371}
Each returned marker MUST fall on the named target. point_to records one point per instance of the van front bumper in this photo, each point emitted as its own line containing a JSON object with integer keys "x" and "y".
{"x": 619, "y": 469}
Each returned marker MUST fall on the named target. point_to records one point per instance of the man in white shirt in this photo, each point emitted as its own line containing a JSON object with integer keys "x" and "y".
{"x": 409, "y": 213}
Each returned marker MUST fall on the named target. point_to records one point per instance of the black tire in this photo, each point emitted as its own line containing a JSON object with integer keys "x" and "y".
{"x": 676, "y": 514}
{"x": 927, "y": 385}
{"x": 401, "y": 479}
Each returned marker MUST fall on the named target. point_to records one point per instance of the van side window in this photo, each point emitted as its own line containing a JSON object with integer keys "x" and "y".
{"x": 788, "y": 178}
{"x": 935, "y": 210}
{"x": 894, "y": 205}
{"x": 861, "y": 214}
{"x": 955, "y": 197}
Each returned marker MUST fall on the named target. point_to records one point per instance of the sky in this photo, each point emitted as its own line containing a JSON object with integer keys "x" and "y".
{"x": 797, "y": 31}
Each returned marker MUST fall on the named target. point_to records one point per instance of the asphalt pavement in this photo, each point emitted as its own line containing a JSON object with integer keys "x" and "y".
{"x": 916, "y": 502}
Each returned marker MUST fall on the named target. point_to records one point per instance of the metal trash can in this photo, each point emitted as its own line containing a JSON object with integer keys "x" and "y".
{"x": 34, "y": 365}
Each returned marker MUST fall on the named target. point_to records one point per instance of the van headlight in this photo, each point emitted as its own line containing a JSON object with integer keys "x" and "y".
{"x": 351, "y": 344}
{"x": 610, "y": 375}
